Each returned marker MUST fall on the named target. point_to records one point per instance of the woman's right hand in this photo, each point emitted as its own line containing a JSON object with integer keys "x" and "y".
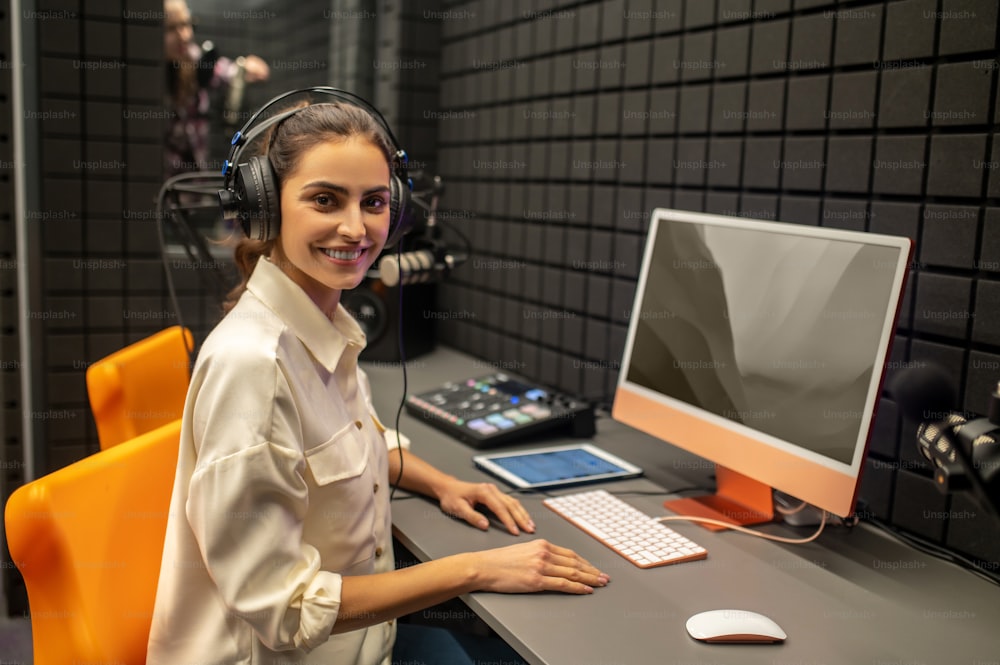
{"x": 536, "y": 565}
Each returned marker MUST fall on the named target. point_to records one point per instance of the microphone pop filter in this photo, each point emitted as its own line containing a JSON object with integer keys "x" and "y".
{"x": 923, "y": 393}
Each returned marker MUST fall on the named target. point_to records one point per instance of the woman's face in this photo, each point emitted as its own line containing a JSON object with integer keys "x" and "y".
{"x": 334, "y": 218}
{"x": 178, "y": 32}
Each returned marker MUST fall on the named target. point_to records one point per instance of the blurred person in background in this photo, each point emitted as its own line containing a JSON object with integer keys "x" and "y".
{"x": 199, "y": 81}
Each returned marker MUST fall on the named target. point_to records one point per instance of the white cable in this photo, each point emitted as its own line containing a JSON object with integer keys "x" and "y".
{"x": 735, "y": 527}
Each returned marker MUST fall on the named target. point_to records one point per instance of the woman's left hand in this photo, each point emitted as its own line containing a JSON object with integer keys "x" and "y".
{"x": 459, "y": 499}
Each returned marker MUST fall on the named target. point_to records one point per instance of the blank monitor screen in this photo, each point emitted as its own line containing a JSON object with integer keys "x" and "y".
{"x": 761, "y": 346}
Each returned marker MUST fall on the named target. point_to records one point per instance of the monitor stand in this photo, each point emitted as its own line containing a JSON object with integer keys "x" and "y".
{"x": 738, "y": 500}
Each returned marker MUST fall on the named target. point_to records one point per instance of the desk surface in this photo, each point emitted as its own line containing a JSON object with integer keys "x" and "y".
{"x": 854, "y": 596}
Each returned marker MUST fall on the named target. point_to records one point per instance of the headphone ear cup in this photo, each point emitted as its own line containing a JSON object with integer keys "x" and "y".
{"x": 256, "y": 189}
{"x": 399, "y": 202}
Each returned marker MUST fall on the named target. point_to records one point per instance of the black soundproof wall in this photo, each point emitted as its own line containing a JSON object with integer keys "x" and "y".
{"x": 562, "y": 124}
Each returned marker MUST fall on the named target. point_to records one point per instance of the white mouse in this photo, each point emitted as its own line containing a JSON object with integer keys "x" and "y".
{"x": 734, "y": 626}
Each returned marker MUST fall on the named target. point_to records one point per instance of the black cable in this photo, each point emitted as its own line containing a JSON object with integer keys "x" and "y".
{"x": 161, "y": 236}
{"x": 191, "y": 242}
{"x": 402, "y": 362}
{"x": 400, "y": 340}
{"x": 935, "y": 550}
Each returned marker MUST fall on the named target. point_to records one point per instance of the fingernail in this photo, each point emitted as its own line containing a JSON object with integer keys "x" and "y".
{"x": 483, "y": 524}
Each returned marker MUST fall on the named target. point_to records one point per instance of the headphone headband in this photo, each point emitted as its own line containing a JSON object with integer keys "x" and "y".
{"x": 244, "y": 135}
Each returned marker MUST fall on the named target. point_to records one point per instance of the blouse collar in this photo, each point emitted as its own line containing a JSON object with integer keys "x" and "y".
{"x": 326, "y": 342}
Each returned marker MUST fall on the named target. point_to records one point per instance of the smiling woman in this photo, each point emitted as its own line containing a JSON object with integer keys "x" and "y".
{"x": 279, "y": 539}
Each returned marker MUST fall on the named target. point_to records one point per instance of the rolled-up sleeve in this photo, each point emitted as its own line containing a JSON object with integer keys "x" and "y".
{"x": 247, "y": 500}
{"x": 246, "y": 512}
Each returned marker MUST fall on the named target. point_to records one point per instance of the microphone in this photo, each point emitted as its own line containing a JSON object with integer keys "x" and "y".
{"x": 234, "y": 98}
{"x": 421, "y": 266}
{"x": 965, "y": 454}
{"x": 937, "y": 445}
{"x": 434, "y": 260}
{"x": 206, "y": 63}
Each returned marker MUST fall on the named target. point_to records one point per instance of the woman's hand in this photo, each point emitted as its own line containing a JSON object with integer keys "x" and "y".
{"x": 526, "y": 567}
{"x": 459, "y": 499}
{"x": 256, "y": 68}
{"x": 536, "y": 566}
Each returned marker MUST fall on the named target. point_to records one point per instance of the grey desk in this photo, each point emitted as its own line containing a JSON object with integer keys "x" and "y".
{"x": 854, "y": 597}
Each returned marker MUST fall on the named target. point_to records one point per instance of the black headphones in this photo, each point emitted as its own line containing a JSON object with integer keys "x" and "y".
{"x": 250, "y": 193}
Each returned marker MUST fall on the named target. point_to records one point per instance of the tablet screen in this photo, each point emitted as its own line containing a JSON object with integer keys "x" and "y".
{"x": 557, "y": 466}
{"x": 562, "y": 465}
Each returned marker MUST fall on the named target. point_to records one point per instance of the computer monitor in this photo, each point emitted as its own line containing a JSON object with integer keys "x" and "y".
{"x": 761, "y": 346}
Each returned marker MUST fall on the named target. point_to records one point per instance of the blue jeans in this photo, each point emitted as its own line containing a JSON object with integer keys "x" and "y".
{"x": 430, "y": 645}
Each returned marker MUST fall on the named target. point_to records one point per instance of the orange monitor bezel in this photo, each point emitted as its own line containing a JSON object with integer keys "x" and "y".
{"x": 826, "y": 487}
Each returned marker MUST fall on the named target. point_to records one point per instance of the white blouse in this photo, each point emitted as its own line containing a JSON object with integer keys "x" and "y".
{"x": 281, "y": 489}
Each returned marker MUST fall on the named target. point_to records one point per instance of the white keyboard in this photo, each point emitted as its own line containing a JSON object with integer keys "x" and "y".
{"x": 626, "y": 529}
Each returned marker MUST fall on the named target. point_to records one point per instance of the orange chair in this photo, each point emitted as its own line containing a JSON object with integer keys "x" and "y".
{"x": 140, "y": 387}
{"x": 88, "y": 539}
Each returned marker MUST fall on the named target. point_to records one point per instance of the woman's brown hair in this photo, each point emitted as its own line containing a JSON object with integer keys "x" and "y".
{"x": 286, "y": 143}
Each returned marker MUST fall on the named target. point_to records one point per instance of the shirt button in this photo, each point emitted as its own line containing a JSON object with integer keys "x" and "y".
{"x": 375, "y": 488}
{"x": 378, "y": 552}
{"x": 357, "y": 423}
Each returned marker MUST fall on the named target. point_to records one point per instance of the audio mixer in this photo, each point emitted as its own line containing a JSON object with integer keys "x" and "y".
{"x": 498, "y": 408}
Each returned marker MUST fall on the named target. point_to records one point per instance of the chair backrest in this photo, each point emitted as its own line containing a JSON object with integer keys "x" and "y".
{"x": 88, "y": 540}
{"x": 141, "y": 387}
